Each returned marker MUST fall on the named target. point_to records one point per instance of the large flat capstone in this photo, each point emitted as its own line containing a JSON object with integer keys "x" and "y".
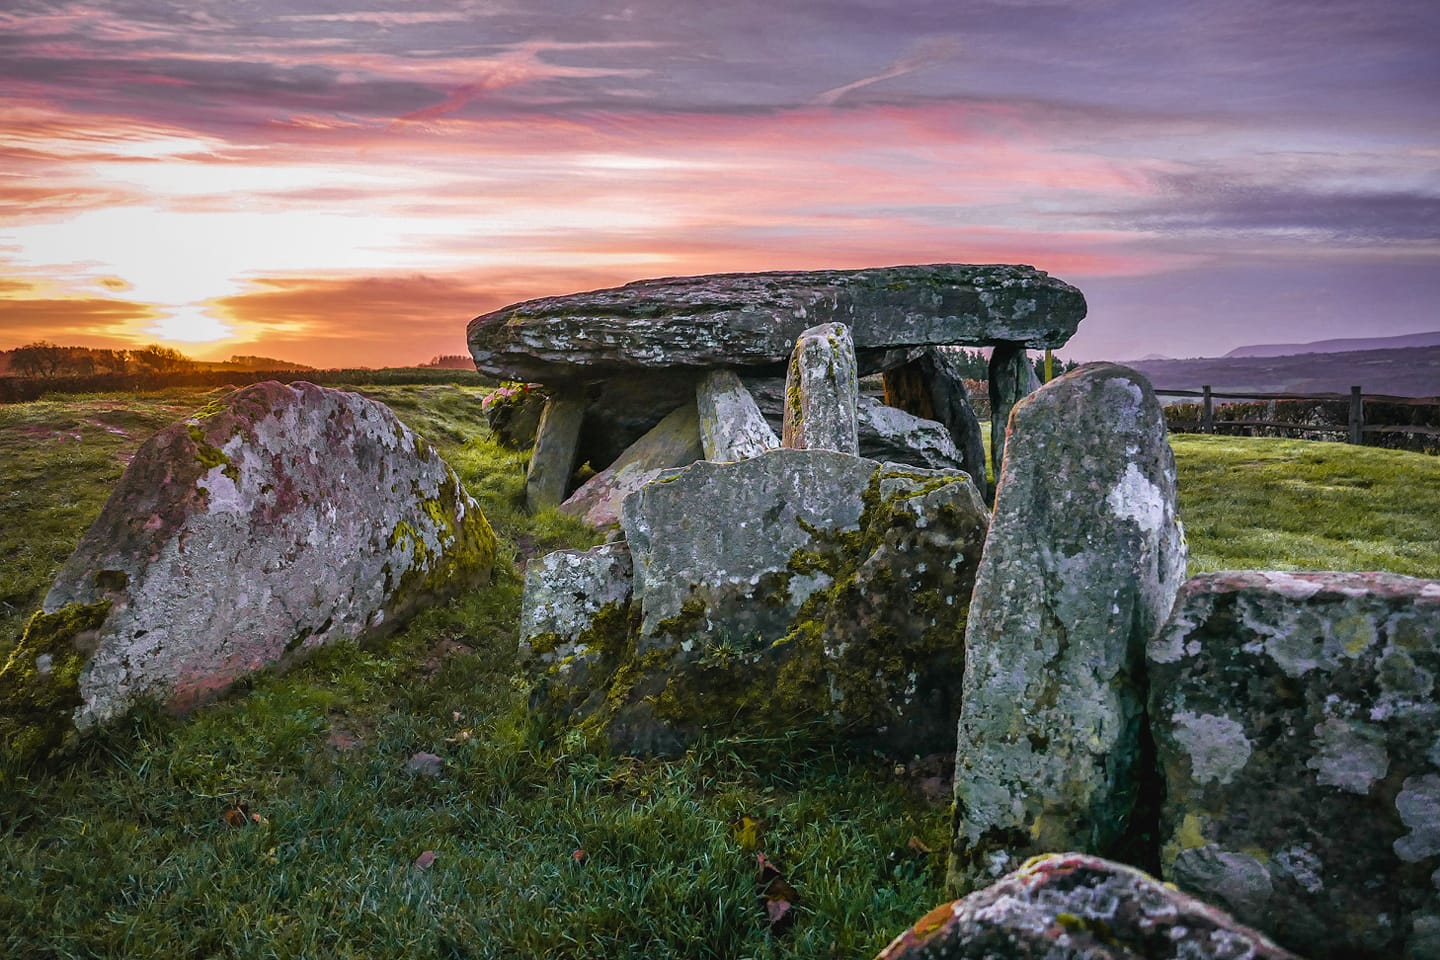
{"x": 280, "y": 519}
{"x": 752, "y": 319}
{"x": 1297, "y": 722}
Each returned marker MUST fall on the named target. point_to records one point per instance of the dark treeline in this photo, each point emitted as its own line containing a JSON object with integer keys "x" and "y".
{"x": 20, "y": 389}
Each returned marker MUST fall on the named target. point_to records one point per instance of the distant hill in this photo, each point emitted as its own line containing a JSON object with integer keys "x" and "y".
{"x": 1346, "y": 345}
{"x": 1410, "y": 372}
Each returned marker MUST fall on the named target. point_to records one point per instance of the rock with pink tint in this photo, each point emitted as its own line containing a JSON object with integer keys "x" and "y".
{"x": 1070, "y": 906}
{"x": 277, "y": 520}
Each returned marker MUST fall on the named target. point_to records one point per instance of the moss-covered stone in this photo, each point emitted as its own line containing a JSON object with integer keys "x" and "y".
{"x": 40, "y": 682}
{"x": 851, "y": 625}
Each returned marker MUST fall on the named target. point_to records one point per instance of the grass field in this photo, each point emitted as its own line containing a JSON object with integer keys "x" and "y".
{"x": 282, "y": 822}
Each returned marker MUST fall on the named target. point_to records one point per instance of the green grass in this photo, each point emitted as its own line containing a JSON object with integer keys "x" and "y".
{"x": 126, "y": 852}
{"x": 1301, "y": 505}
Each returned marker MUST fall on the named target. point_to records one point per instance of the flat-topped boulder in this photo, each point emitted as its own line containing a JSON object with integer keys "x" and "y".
{"x": 752, "y": 319}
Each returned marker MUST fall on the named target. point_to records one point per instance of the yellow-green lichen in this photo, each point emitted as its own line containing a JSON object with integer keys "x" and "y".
{"x": 209, "y": 456}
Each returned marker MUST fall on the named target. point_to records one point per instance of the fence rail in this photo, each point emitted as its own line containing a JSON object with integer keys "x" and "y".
{"x": 1355, "y": 428}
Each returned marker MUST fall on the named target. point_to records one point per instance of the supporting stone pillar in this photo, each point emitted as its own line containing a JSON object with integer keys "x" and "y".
{"x": 553, "y": 459}
{"x": 1011, "y": 379}
{"x": 731, "y": 424}
{"x": 930, "y": 386}
{"x": 822, "y": 392}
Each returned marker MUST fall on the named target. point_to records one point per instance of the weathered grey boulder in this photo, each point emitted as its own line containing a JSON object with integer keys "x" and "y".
{"x": 282, "y": 519}
{"x": 888, "y": 433}
{"x": 753, "y": 319}
{"x": 796, "y": 587}
{"x": 557, "y": 445}
{"x": 1083, "y": 561}
{"x": 731, "y": 424}
{"x": 673, "y": 442}
{"x": 1075, "y": 907}
{"x": 932, "y": 387}
{"x": 1297, "y": 724}
{"x": 573, "y": 625}
{"x": 821, "y": 390}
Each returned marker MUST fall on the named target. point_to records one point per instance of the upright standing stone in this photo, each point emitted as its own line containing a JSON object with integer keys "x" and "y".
{"x": 1297, "y": 724}
{"x": 553, "y": 459}
{"x": 931, "y": 387}
{"x": 1084, "y": 557}
{"x": 822, "y": 389}
{"x": 731, "y": 424}
{"x": 1011, "y": 379}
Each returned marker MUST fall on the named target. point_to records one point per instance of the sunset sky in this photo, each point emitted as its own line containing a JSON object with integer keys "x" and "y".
{"x": 341, "y": 182}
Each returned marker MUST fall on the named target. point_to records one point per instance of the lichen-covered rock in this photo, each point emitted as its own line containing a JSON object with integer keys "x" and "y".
{"x": 557, "y": 445}
{"x": 731, "y": 424}
{"x": 890, "y": 434}
{"x": 673, "y": 442}
{"x": 821, "y": 391}
{"x": 1083, "y": 561}
{"x": 753, "y": 319}
{"x": 1297, "y": 723}
{"x": 278, "y": 520}
{"x": 574, "y": 621}
{"x": 800, "y": 586}
{"x": 1069, "y": 906}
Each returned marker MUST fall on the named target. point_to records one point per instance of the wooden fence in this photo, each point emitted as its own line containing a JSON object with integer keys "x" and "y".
{"x": 1356, "y": 428}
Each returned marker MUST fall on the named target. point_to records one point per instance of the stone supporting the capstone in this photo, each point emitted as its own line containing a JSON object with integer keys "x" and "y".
{"x": 822, "y": 390}
{"x": 930, "y": 386}
{"x": 1082, "y": 563}
{"x": 673, "y": 442}
{"x": 731, "y": 424}
{"x": 1011, "y": 379}
{"x": 553, "y": 459}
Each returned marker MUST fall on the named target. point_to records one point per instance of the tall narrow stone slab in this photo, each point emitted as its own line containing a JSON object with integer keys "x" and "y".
{"x": 822, "y": 389}
{"x": 731, "y": 424}
{"x": 1297, "y": 724}
{"x": 553, "y": 460}
{"x": 1011, "y": 379}
{"x": 1084, "y": 557}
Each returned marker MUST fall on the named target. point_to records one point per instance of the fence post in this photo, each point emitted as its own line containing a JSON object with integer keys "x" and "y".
{"x": 1357, "y": 416}
{"x": 1207, "y": 415}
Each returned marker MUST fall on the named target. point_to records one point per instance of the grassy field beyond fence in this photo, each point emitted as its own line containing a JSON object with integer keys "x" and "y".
{"x": 282, "y": 822}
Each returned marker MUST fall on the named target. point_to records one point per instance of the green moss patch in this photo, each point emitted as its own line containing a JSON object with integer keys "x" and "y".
{"x": 40, "y": 682}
